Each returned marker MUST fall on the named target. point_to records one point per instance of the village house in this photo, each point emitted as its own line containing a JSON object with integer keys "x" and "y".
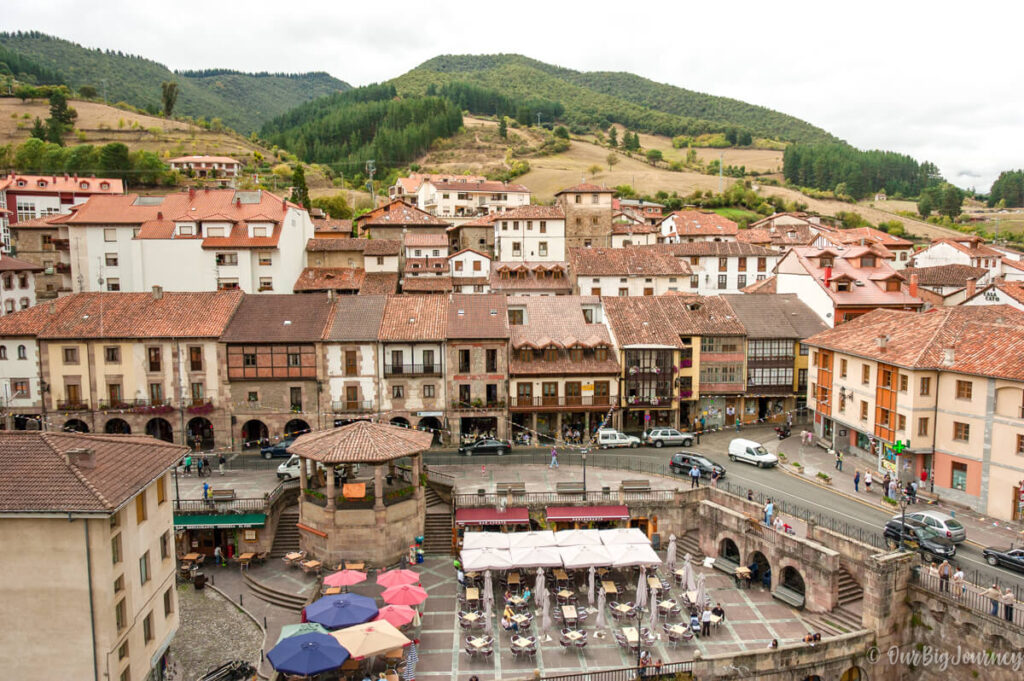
{"x": 531, "y": 278}
{"x": 476, "y": 368}
{"x": 629, "y": 233}
{"x": 973, "y": 251}
{"x": 646, "y": 212}
{"x": 396, "y": 219}
{"x": 459, "y": 197}
{"x": 407, "y": 188}
{"x": 17, "y": 283}
{"x": 588, "y": 215}
{"x": 696, "y": 225}
{"x": 530, "y": 233}
{"x": 1006, "y": 293}
{"x": 349, "y": 266}
{"x": 900, "y": 249}
{"x": 207, "y": 167}
{"x": 425, "y": 267}
{"x": 325, "y": 227}
{"x": 944, "y": 285}
{"x": 780, "y": 238}
{"x": 352, "y": 386}
{"x": 470, "y": 271}
{"x": 947, "y": 385}
{"x": 722, "y": 266}
{"x": 101, "y": 525}
{"x": 43, "y": 242}
{"x": 628, "y": 271}
{"x": 477, "y": 234}
{"x": 783, "y": 222}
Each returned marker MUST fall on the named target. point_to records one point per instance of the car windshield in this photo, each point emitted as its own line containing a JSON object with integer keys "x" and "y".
{"x": 954, "y": 525}
{"x": 700, "y": 461}
{"x": 925, "y": 532}
{"x": 760, "y": 451}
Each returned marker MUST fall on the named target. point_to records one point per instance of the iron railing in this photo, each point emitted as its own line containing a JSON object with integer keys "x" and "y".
{"x": 612, "y": 496}
{"x": 560, "y": 401}
{"x": 971, "y": 596}
{"x": 627, "y": 673}
{"x": 412, "y": 369}
{"x": 72, "y": 405}
{"x": 240, "y": 505}
{"x": 360, "y": 406}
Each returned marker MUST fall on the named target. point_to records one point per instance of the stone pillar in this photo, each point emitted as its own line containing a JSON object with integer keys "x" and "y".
{"x": 417, "y": 469}
{"x": 303, "y": 478}
{"x": 885, "y": 599}
{"x": 378, "y": 488}
{"x": 330, "y": 488}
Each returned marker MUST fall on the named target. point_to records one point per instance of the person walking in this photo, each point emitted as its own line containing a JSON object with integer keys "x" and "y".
{"x": 221, "y": 461}
{"x": 199, "y": 467}
{"x": 945, "y": 572}
{"x": 1008, "y": 601}
{"x": 995, "y": 597}
{"x": 867, "y": 482}
{"x": 714, "y": 478}
{"x": 218, "y": 556}
{"x": 856, "y": 481}
{"x": 694, "y": 476}
{"x": 839, "y": 461}
{"x": 206, "y": 491}
{"x": 206, "y": 466}
{"x": 959, "y": 588}
{"x": 702, "y": 423}
{"x": 913, "y": 492}
{"x": 188, "y": 465}
{"x": 769, "y": 510}
{"x": 705, "y": 622}
{"x": 554, "y": 458}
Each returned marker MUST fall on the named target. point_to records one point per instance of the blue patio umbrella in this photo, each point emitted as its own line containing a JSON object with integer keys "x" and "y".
{"x": 342, "y": 610}
{"x": 307, "y": 654}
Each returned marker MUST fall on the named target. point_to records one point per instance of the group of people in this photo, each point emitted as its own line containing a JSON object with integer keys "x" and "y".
{"x": 950, "y": 576}
{"x": 701, "y": 624}
{"x": 202, "y": 464}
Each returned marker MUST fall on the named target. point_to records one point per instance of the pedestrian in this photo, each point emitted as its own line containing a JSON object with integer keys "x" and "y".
{"x": 913, "y": 492}
{"x": 856, "y": 481}
{"x": 959, "y": 587}
{"x": 714, "y": 478}
{"x": 945, "y": 572}
{"x": 1008, "y": 600}
{"x": 694, "y": 476}
{"x": 188, "y": 464}
{"x": 839, "y": 461}
{"x": 206, "y": 465}
{"x": 199, "y": 467}
{"x": 705, "y": 622}
{"x": 554, "y": 458}
{"x": 206, "y": 491}
{"x": 867, "y": 482}
{"x": 221, "y": 461}
{"x": 769, "y": 510}
{"x": 994, "y": 596}
{"x": 702, "y": 423}
{"x": 779, "y": 525}
{"x": 218, "y": 556}
{"x": 750, "y": 495}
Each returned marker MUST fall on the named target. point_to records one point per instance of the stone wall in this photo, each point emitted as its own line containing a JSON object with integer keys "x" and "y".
{"x": 829, "y": 659}
{"x": 377, "y": 536}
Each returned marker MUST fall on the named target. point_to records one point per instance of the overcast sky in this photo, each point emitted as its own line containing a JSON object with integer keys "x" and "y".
{"x": 941, "y": 81}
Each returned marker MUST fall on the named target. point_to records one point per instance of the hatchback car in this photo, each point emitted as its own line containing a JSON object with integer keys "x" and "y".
{"x": 278, "y": 450}
{"x": 1007, "y": 557}
{"x": 659, "y": 437}
{"x": 919, "y": 537}
{"x": 942, "y": 523}
{"x": 486, "y": 446}
{"x": 612, "y": 438}
{"x": 684, "y": 461}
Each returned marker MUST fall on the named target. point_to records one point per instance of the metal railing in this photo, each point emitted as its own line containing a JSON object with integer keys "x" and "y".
{"x": 440, "y": 478}
{"x": 972, "y": 596}
{"x": 241, "y": 505}
{"x": 560, "y": 401}
{"x": 412, "y": 369}
{"x": 613, "y": 495}
{"x": 361, "y": 406}
{"x": 72, "y": 405}
{"x": 627, "y": 673}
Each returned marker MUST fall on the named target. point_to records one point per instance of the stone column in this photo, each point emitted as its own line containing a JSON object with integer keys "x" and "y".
{"x": 303, "y": 478}
{"x": 330, "y": 488}
{"x": 378, "y": 488}
{"x": 417, "y": 470}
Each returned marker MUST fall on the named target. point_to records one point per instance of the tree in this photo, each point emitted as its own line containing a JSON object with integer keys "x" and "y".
{"x": 654, "y": 156}
{"x": 87, "y": 92}
{"x": 54, "y": 131}
{"x": 631, "y": 141}
{"x": 38, "y": 130}
{"x": 115, "y": 161}
{"x": 951, "y": 201}
{"x": 594, "y": 169}
{"x": 335, "y": 206}
{"x": 613, "y": 136}
{"x": 300, "y": 192}
{"x": 60, "y": 111}
{"x": 612, "y": 158}
{"x": 744, "y": 139}
{"x": 502, "y": 128}
{"x": 25, "y": 92}
{"x": 168, "y": 96}
{"x": 562, "y": 131}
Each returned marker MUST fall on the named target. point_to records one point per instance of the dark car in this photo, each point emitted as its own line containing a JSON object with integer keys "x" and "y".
{"x": 683, "y": 461}
{"x": 919, "y": 537}
{"x": 1011, "y": 557}
{"x": 277, "y": 451}
{"x": 486, "y": 446}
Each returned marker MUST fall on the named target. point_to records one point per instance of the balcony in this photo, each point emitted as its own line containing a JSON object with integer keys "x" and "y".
{"x": 63, "y": 268}
{"x": 412, "y": 370}
{"x": 72, "y": 405}
{"x": 351, "y": 406}
{"x": 62, "y": 244}
{"x": 561, "y": 402}
{"x": 199, "y": 405}
{"x": 781, "y": 389}
{"x": 686, "y": 394}
{"x": 650, "y": 370}
{"x": 649, "y": 401}
{"x": 477, "y": 405}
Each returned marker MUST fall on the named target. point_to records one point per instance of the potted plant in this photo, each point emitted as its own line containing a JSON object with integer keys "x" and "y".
{"x": 634, "y": 370}
{"x": 654, "y": 401}
{"x": 798, "y": 467}
{"x": 825, "y": 477}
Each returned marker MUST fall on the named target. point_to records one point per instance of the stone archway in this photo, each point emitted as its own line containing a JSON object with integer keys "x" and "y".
{"x": 255, "y": 434}
{"x": 200, "y": 433}
{"x": 160, "y": 429}
{"x": 760, "y": 569}
{"x": 728, "y": 550}
{"x": 76, "y": 426}
{"x": 399, "y": 421}
{"x": 854, "y": 674}
{"x": 296, "y": 427}
{"x": 432, "y": 425}
{"x": 791, "y": 579}
{"x": 117, "y": 427}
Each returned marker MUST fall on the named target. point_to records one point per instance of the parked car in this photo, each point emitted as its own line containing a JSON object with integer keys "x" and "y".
{"x": 919, "y": 537}
{"x": 659, "y": 437}
{"x": 278, "y": 450}
{"x": 1007, "y": 557}
{"x": 289, "y": 470}
{"x": 751, "y": 452}
{"x": 612, "y": 438}
{"x": 486, "y": 446}
{"x": 684, "y": 461}
{"x": 943, "y": 523}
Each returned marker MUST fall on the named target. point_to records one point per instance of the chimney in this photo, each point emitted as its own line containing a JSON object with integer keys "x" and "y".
{"x": 191, "y": 193}
{"x": 53, "y": 307}
{"x": 238, "y": 202}
{"x": 81, "y": 458}
{"x": 972, "y": 283}
{"x": 882, "y": 342}
{"x": 158, "y": 292}
{"x": 948, "y": 356}
{"x": 159, "y": 215}
{"x": 828, "y": 276}
{"x": 913, "y": 286}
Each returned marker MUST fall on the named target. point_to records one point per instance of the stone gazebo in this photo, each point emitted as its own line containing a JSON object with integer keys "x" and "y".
{"x": 374, "y": 524}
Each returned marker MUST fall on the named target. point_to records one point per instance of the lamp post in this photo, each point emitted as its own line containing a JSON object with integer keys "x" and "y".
{"x": 584, "y": 455}
{"x": 177, "y": 496}
{"x": 903, "y": 518}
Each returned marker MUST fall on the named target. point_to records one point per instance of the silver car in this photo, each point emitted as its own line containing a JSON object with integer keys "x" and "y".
{"x": 943, "y": 523}
{"x": 659, "y": 437}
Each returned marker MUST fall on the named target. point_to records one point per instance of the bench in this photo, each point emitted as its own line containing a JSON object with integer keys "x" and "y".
{"x": 222, "y": 495}
{"x": 510, "y": 488}
{"x": 789, "y": 597}
{"x": 570, "y": 488}
{"x": 636, "y": 486}
{"x": 727, "y": 566}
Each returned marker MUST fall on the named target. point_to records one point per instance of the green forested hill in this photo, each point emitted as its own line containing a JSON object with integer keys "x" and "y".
{"x": 243, "y": 101}
{"x": 598, "y": 98}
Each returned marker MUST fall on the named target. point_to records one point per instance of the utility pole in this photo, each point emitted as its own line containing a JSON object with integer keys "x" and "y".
{"x": 371, "y": 168}
{"x": 538, "y": 119}
{"x": 721, "y": 165}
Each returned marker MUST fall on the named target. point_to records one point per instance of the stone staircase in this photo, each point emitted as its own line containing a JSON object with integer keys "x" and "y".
{"x": 849, "y": 589}
{"x": 437, "y": 533}
{"x": 273, "y": 596}
{"x": 688, "y": 543}
{"x": 840, "y": 621}
{"x": 286, "y": 539}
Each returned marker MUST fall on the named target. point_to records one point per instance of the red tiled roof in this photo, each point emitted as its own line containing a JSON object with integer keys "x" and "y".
{"x": 333, "y": 225}
{"x": 870, "y": 234}
{"x": 558, "y": 320}
{"x": 61, "y": 183}
{"x": 415, "y": 318}
{"x": 766, "y": 285}
{"x": 379, "y": 283}
{"x": 469, "y": 250}
{"x": 356, "y": 318}
{"x": 192, "y": 206}
{"x": 424, "y": 265}
{"x": 700, "y": 223}
{"x": 979, "y": 250}
{"x": 426, "y": 240}
{"x": 670, "y": 317}
{"x": 627, "y": 228}
{"x": 413, "y": 182}
{"x": 774, "y": 216}
{"x": 8, "y": 263}
{"x": 795, "y": 235}
{"x": 477, "y": 316}
{"x": 482, "y": 221}
{"x": 399, "y": 213}
{"x": 536, "y": 277}
{"x": 48, "y": 221}
{"x": 427, "y": 284}
{"x": 329, "y": 279}
{"x": 33, "y": 321}
{"x": 366, "y": 246}
{"x": 361, "y": 442}
{"x": 488, "y": 186}
{"x": 532, "y": 213}
{"x": 586, "y": 188}
{"x": 470, "y": 281}
{"x": 869, "y": 294}
{"x": 781, "y": 315}
{"x": 626, "y": 261}
{"x": 944, "y": 275}
{"x": 718, "y": 248}
{"x": 279, "y": 318}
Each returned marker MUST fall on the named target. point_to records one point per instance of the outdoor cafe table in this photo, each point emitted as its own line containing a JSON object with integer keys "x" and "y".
{"x": 471, "y": 617}
{"x": 623, "y": 608}
{"x": 479, "y": 642}
{"x": 472, "y": 594}
{"x": 331, "y": 591}
{"x": 716, "y": 620}
{"x": 564, "y": 593}
{"x": 609, "y": 588}
{"x": 520, "y": 619}
{"x": 520, "y": 642}
{"x": 667, "y": 605}
{"x": 560, "y": 575}
{"x": 692, "y": 597}
{"x": 678, "y": 629}
{"x": 517, "y": 601}
{"x": 654, "y": 583}
{"x": 355, "y": 566}
{"x": 190, "y": 557}
{"x": 574, "y": 635}
{"x": 631, "y": 634}
{"x": 569, "y": 613}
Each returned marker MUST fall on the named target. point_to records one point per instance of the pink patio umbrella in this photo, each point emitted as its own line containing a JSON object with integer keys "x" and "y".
{"x": 397, "y": 615}
{"x": 345, "y": 578}
{"x": 398, "y": 578}
{"x": 404, "y": 594}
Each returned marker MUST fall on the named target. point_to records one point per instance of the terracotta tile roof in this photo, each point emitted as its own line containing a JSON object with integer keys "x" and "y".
{"x": 356, "y": 318}
{"x": 204, "y": 159}
{"x": 62, "y": 183}
{"x": 944, "y": 275}
{"x": 415, "y": 318}
{"x": 795, "y": 235}
{"x": 986, "y": 340}
{"x": 426, "y": 241}
{"x": 279, "y": 318}
{"x": 971, "y": 246}
{"x": 488, "y": 186}
{"x": 716, "y": 248}
{"x": 399, "y": 213}
{"x": 33, "y": 321}
{"x": 627, "y": 228}
{"x": 482, "y": 221}
{"x": 529, "y": 276}
{"x": 379, "y": 283}
{"x": 477, "y": 316}
{"x": 412, "y": 183}
{"x": 470, "y": 281}
{"x": 774, "y": 216}
{"x": 366, "y": 246}
{"x": 1013, "y": 264}
{"x": 48, "y": 221}
{"x": 361, "y": 442}
{"x": 701, "y": 223}
{"x": 469, "y": 250}
{"x": 333, "y": 225}
{"x": 36, "y": 475}
{"x": 780, "y": 315}
{"x": 532, "y": 213}
{"x": 640, "y": 320}
{"x": 193, "y": 206}
{"x": 329, "y": 279}
{"x": 870, "y": 293}
{"x": 586, "y": 188}
{"x": 9, "y": 263}
{"x": 627, "y": 261}
{"x": 870, "y": 234}
{"x": 426, "y": 265}
{"x": 680, "y": 315}
{"x": 428, "y": 284}
{"x": 766, "y": 285}
{"x": 558, "y": 320}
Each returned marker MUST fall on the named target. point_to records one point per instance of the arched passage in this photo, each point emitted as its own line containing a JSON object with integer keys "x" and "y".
{"x": 117, "y": 427}
{"x": 254, "y": 434}
{"x": 76, "y": 426}
{"x": 296, "y": 427}
{"x": 853, "y": 674}
{"x": 399, "y": 421}
{"x": 26, "y": 422}
{"x": 432, "y": 425}
{"x": 727, "y": 549}
{"x": 200, "y": 433}
{"x": 160, "y": 429}
{"x": 792, "y": 579}
{"x": 760, "y": 569}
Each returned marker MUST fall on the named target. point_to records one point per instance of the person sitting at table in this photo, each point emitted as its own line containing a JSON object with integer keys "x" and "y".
{"x": 506, "y": 623}
{"x": 718, "y": 611}
{"x": 526, "y": 595}
{"x": 461, "y": 576}
{"x": 508, "y": 595}
{"x": 705, "y": 622}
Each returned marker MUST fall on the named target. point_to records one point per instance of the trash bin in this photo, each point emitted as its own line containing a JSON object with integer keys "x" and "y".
{"x": 199, "y": 580}
{"x": 656, "y": 541}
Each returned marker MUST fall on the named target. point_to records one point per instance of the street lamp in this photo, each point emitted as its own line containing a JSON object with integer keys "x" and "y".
{"x": 903, "y": 520}
{"x": 584, "y": 455}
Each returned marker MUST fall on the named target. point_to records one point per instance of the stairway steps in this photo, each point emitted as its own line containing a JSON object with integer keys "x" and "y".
{"x": 688, "y": 543}
{"x": 849, "y": 590}
{"x": 282, "y": 600}
{"x": 286, "y": 538}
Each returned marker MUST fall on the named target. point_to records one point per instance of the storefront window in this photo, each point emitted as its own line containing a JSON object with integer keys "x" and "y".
{"x": 959, "y": 476}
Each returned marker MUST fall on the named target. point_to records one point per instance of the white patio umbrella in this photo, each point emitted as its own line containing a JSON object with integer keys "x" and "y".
{"x": 641, "y": 588}
{"x": 545, "y": 618}
{"x": 537, "y": 557}
{"x": 538, "y": 587}
{"x": 479, "y": 560}
{"x": 578, "y": 557}
{"x": 529, "y": 540}
{"x": 654, "y": 610}
{"x": 670, "y": 555}
{"x": 702, "y": 594}
{"x": 600, "y": 622}
{"x": 590, "y": 588}
{"x": 488, "y": 601}
{"x": 578, "y": 538}
{"x": 484, "y": 540}
{"x": 688, "y": 574}
{"x": 632, "y": 555}
{"x": 623, "y": 535}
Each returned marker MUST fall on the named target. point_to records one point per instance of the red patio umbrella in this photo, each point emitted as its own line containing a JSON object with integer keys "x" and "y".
{"x": 397, "y": 578}
{"x": 345, "y": 578}
{"x": 404, "y": 594}
{"x": 397, "y": 615}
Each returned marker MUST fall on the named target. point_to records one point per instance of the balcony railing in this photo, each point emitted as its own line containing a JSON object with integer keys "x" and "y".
{"x": 72, "y": 405}
{"x": 567, "y": 401}
{"x": 62, "y": 244}
{"x": 780, "y": 389}
{"x": 477, "y": 404}
{"x": 342, "y": 406}
{"x": 63, "y": 268}
{"x": 412, "y": 369}
{"x": 649, "y": 401}
{"x": 637, "y": 370}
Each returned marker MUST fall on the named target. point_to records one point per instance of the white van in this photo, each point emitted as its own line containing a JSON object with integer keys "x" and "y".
{"x": 751, "y": 452}
{"x": 612, "y": 438}
{"x": 289, "y": 470}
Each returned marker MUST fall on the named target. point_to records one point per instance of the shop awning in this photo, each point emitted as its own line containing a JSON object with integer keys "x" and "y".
{"x": 197, "y": 522}
{"x": 584, "y": 514}
{"x": 491, "y": 516}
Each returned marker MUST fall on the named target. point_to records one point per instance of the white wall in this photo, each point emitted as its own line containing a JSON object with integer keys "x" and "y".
{"x": 609, "y": 286}
{"x": 12, "y": 369}
{"x": 707, "y": 269}
{"x": 15, "y": 297}
{"x": 467, "y": 259}
{"x": 994, "y": 297}
{"x": 810, "y": 293}
{"x": 527, "y": 234}
{"x": 619, "y": 240}
{"x": 336, "y": 377}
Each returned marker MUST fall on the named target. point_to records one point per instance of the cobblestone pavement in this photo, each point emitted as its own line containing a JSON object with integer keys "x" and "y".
{"x": 212, "y": 631}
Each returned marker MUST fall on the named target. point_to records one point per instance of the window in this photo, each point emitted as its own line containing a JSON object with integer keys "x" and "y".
{"x": 120, "y": 615}
{"x": 926, "y": 385}
{"x": 168, "y": 601}
{"x": 266, "y": 284}
{"x": 542, "y": 248}
{"x": 195, "y": 358}
{"x": 762, "y": 264}
{"x": 115, "y": 548}
{"x": 122, "y": 651}
{"x": 186, "y": 230}
{"x": 227, "y": 284}
{"x": 165, "y": 545}
{"x": 226, "y": 259}
{"x": 295, "y": 397}
{"x": 892, "y": 285}
{"x": 144, "y": 568}
{"x": 23, "y": 303}
{"x": 111, "y": 259}
{"x": 550, "y": 353}
{"x": 112, "y": 355}
{"x": 1020, "y": 445}
{"x": 3, "y": 352}
{"x": 161, "y": 490}
{"x": 959, "y": 476}
{"x": 156, "y": 394}
{"x": 723, "y": 264}
{"x": 428, "y": 361}
{"x": 964, "y": 389}
{"x": 147, "y": 628}
{"x": 885, "y": 380}
{"x": 623, "y": 292}
{"x": 865, "y": 374}
{"x": 110, "y": 235}
{"x": 398, "y": 392}
{"x": 458, "y": 265}
{"x": 904, "y": 383}
{"x": 19, "y": 388}
{"x": 9, "y": 306}
{"x": 576, "y": 354}
{"x": 601, "y": 354}
{"x": 463, "y": 361}
{"x": 294, "y": 359}
{"x": 722, "y": 281}
{"x": 253, "y": 396}
{"x": 867, "y": 261}
{"x": 214, "y": 231}
{"x": 477, "y": 266}
{"x": 842, "y": 368}
{"x": 113, "y": 284}
{"x": 428, "y": 390}
{"x": 961, "y": 431}
{"x": 71, "y": 355}
{"x": 492, "y": 361}
{"x": 517, "y": 248}
{"x": 265, "y": 260}
{"x": 901, "y": 422}
{"x": 922, "y": 425}
{"x": 119, "y": 584}
{"x": 140, "y": 507}
{"x": 197, "y": 392}
{"x": 154, "y": 357}
{"x": 578, "y": 197}
{"x": 695, "y": 281}
{"x": 515, "y": 317}
{"x": 249, "y": 359}
{"x": 863, "y": 410}
{"x": 543, "y": 227}
{"x": 380, "y": 259}
{"x": 741, "y": 281}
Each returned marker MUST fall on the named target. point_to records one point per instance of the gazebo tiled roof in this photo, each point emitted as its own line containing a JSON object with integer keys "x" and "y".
{"x": 361, "y": 442}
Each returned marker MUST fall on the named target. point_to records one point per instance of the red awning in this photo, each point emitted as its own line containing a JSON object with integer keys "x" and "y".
{"x": 490, "y": 516}
{"x": 587, "y": 513}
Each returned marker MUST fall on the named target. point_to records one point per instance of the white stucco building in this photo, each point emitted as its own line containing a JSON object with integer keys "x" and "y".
{"x": 17, "y": 284}
{"x": 470, "y": 271}
{"x": 350, "y": 350}
{"x": 463, "y": 197}
{"x": 530, "y": 234}
{"x": 722, "y": 266}
{"x": 629, "y": 271}
{"x": 684, "y": 226}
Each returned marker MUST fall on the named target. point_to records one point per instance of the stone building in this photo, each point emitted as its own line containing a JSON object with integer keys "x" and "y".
{"x": 44, "y": 242}
{"x": 477, "y": 365}
{"x": 588, "y": 215}
{"x": 352, "y": 384}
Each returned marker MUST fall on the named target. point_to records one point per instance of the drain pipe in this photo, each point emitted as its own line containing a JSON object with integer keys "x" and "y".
{"x": 92, "y": 610}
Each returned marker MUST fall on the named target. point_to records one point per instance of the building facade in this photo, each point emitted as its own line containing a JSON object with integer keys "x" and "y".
{"x": 207, "y": 167}
{"x": 588, "y": 215}
{"x": 477, "y": 366}
{"x": 351, "y": 360}
{"x": 17, "y": 284}
{"x": 683, "y": 226}
{"x": 721, "y": 266}
{"x": 464, "y": 198}
{"x": 530, "y": 234}
{"x": 628, "y": 271}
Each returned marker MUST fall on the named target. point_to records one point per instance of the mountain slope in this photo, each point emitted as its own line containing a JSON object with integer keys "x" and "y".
{"x": 599, "y": 98}
{"x": 242, "y": 101}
